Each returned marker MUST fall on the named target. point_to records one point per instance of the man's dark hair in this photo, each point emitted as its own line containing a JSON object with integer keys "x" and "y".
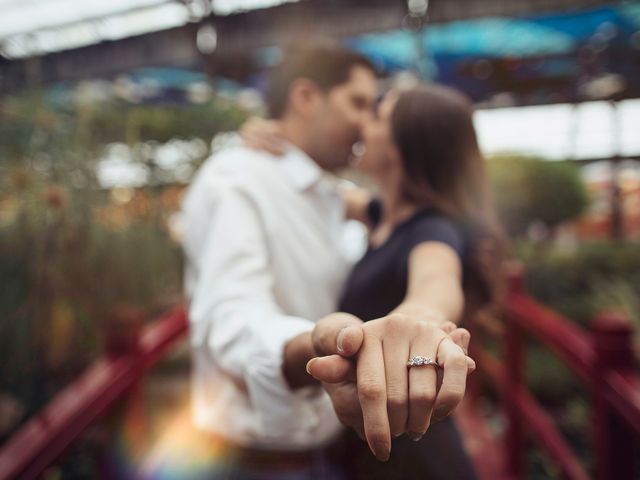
{"x": 326, "y": 66}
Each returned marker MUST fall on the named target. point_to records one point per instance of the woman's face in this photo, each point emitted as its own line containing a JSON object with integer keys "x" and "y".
{"x": 380, "y": 152}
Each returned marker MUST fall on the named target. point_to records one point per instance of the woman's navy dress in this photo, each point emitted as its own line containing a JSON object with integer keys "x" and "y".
{"x": 376, "y": 286}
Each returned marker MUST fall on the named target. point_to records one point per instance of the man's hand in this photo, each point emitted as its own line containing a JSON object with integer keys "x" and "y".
{"x": 374, "y": 395}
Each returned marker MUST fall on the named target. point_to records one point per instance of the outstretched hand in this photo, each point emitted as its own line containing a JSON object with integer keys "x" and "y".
{"x": 364, "y": 369}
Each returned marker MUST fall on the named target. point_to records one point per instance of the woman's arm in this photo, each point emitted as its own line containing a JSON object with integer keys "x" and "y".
{"x": 386, "y": 398}
{"x": 262, "y": 134}
{"x": 434, "y": 289}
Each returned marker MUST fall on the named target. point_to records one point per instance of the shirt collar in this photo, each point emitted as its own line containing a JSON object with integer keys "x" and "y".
{"x": 299, "y": 169}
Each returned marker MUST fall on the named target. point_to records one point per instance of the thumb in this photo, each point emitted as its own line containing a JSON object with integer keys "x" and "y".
{"x": 339, "y": 333}
{"x": 332, "y": 369}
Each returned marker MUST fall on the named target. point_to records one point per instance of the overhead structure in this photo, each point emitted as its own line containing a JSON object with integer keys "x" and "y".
{"x": 489, "y": 46}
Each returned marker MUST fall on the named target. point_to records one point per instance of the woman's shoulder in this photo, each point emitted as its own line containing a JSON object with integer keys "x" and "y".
{"x": 431, "y": 225}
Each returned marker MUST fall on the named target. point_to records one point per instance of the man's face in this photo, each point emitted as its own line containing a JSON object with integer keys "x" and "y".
{"x": 340, "y": 118}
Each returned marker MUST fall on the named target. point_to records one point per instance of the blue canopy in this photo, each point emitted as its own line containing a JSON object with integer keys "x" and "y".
{"x": 541, "y": 59}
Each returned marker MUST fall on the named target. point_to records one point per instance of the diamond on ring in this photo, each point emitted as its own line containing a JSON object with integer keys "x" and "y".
{"x": 418, "y": 361}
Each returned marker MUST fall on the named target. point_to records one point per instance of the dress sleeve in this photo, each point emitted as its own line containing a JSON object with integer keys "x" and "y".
{"x": 438, "y": 228}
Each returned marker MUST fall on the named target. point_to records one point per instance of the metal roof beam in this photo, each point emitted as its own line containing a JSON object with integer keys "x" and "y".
{"x": 241, "y": 33}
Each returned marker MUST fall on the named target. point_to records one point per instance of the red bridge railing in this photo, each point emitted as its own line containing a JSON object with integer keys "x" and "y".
{"x": 602, "y": 359}
{"x": 131, "y": 352}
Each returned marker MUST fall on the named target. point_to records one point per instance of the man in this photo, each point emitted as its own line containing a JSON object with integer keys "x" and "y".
{"x": 264, "y": 262}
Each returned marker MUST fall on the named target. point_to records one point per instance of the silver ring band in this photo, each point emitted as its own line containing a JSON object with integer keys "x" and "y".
{"x": 419, "y": 361}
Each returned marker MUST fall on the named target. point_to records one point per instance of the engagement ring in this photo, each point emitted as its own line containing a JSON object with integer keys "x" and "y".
{"x": 420, "y": 361}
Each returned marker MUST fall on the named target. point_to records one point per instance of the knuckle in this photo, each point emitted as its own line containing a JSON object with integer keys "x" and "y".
{"x": 370, "y": 391}
{"x": 458, "y": 361}
{"x": 395, "y": 401}
{"x": 424, "y": 328}
{"x": 423, "y": 397}
{"x": 454, "y": 393}
{"x": 396, "y": 320}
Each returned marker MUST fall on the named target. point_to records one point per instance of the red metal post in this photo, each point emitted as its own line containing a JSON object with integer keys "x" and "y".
{"x": 514, "y": 359}
{"x": 123, "y": 331}
{"x": 612, "y": 438}
{"x": 44, "y": 438}
{"x": 122, "y": 338}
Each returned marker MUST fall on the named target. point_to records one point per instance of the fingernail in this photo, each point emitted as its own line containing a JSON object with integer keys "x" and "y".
{"x": 309, "y": 363}
{"x": 416, "y": 437}
{"x": 381, "y": 451}
{"x": 340, "y": 339}
{"x": 471, "y": 364}
{"x": 396, "y": 435}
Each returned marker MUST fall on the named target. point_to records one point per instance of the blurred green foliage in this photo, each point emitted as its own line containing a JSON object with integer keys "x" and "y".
{"x": 586, "y": 280}
{"x": 38, "y": 124}
{"x": 528, "y": 189}
{"x": 578, "y": 283}
{"x": 69, "y": 252}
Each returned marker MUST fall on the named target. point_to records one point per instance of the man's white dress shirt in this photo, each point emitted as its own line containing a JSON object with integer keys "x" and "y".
{"x": 263, "y": 238}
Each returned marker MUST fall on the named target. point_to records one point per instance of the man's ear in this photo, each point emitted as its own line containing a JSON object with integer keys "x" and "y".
{"x": 304, "y": 97}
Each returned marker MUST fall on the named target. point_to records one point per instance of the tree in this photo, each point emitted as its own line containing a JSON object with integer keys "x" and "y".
{"x": 528, "y": 189}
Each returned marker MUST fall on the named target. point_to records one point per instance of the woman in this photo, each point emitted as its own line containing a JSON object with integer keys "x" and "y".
{"x": 434, "y": 255}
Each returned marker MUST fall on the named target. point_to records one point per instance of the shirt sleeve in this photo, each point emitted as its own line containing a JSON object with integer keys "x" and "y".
{"x": 438, "y": 228}
{"x": 234, "y": 315}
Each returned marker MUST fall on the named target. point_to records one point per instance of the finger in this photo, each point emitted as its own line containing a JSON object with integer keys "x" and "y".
{"x": 461, "y": 337}
{"x": 258, "y": 125}
{"x": 372, "y": 395}
{"x": 332, "y": 369}
{"x": 263, "y": 134}
{"x": 339, "y": 333}
{"x": 422, "y": 384}
{"x": 448, "y": 327}
{"x": 396, "y": 353}
{"x": 454, "y": 365}
{"x": 260, "y": 142}
{"x": 344, "y": 397}
{"x": 252, "y": 127}
{"x": 349, "y": 340}
{"x": 471, "y": 365}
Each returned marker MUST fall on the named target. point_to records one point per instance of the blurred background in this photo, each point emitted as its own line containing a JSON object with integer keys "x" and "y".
{"x": 108, "y": 108}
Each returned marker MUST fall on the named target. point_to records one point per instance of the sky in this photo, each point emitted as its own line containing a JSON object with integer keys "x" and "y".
{"x": 588, "y": 130}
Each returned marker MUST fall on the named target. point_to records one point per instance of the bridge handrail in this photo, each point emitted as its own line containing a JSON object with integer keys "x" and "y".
{"x": 46, "y": 436}
{"x": 602, "y": 358}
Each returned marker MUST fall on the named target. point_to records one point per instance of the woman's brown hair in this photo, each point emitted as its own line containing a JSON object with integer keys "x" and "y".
{"x": 432, "y": 127}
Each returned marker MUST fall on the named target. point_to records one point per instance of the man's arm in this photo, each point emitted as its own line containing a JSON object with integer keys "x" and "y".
{"x": 233, "y": 311}
{"x": 297, "y": 353}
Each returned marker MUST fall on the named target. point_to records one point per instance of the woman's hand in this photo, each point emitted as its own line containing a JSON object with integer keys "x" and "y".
{"x": 378, "y": 395}
{"x": 261, "y": 134}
